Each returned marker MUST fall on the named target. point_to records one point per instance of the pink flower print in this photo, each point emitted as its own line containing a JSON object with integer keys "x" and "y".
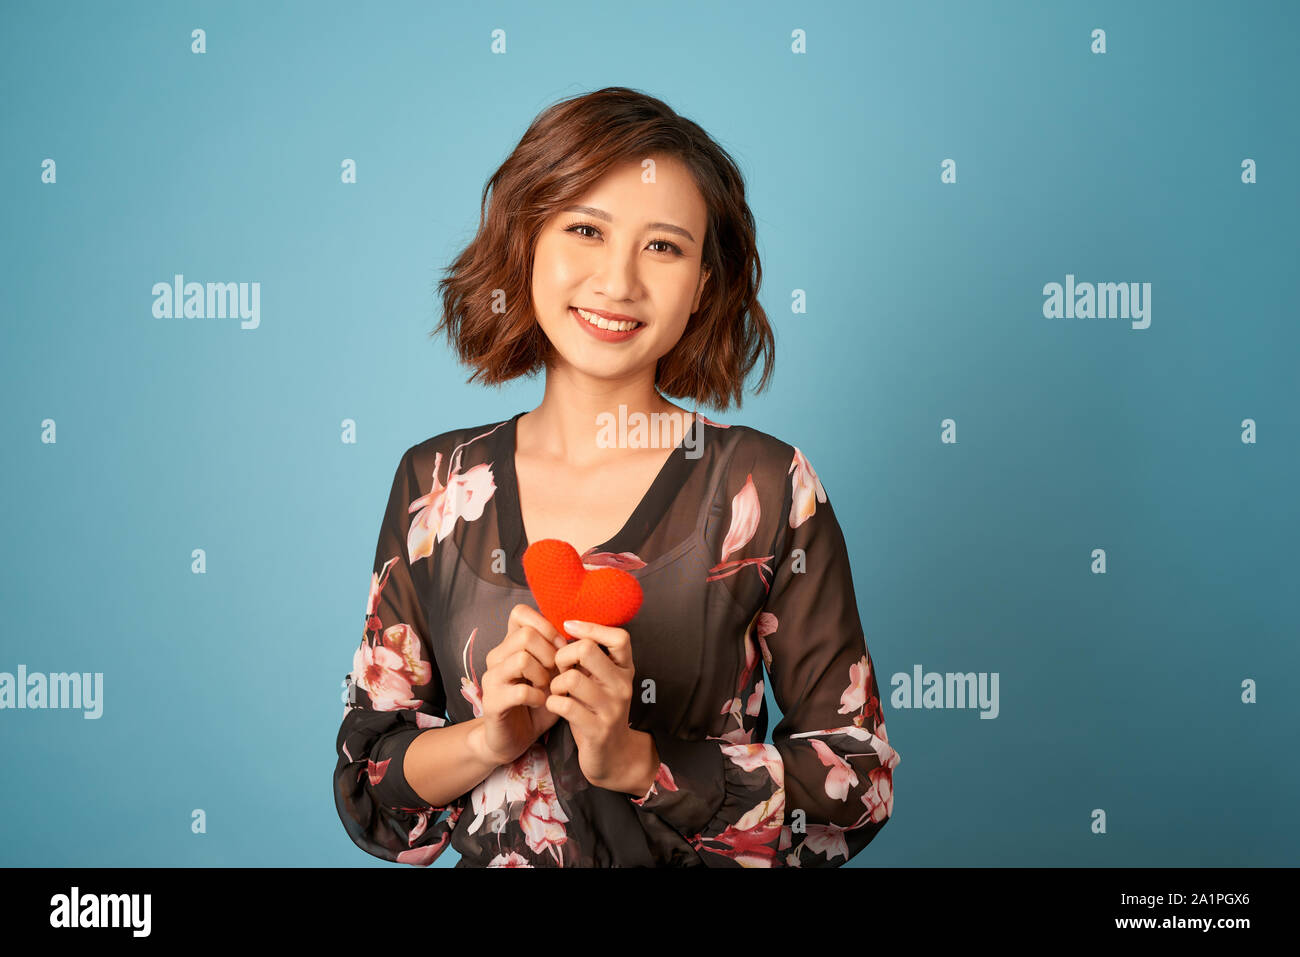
{"x": 375, "y": 770}
{"x": 885, "y": 754}
{"x": 748, "y": 841}
{"x": 527, "y": 779}
{"x": 469, "y": 686}
{"x": 542, "y": 819}
{"x": 751, "y": 661}
{"x": 462, "y": 497}
{"x": 827, "y": 839}
{"x": 377, "y": 582}
{"x": 509, "y": 860}
{"x": 375, "y": 587}
{"x": 422, "y": 817}
{"x": 749, "y": 757}
{"x": 494, "y": 792}
{"x": 879, "y": 797}
{"x": 381, "y": 672}
{"x": 423, "y": 856}
{"x": 751, "y": 655}
{"x": 745, "y": 514}
{"x": 870, "y": 709}
{"x": 420, "y": 826}
{"x": 807, "y": 487}
{"x": 532, "y": 769}
{"x": 855, "y": 695}
{"x": 471, "y": 693}
{"x": 627, "y": 561}
{"x": 404, "y": 642}
{"x": 766, "y": 626}
{"x": 542, "y": 822}
{"x": 663, "y": 778}
{"x": 841, "y": 777}
{"x": 741, "y": 735}
{"x": 886, "y": 757}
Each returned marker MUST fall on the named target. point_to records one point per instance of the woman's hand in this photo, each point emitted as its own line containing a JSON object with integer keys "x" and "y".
{"x": 593, "y": 693}
{"x": 516, "y": 683}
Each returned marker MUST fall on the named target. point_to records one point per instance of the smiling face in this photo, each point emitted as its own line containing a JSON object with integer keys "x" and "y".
{"x": 625, "y": 248}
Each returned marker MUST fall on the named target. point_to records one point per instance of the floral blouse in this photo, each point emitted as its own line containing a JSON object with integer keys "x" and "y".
{"x": 741, "y": 561}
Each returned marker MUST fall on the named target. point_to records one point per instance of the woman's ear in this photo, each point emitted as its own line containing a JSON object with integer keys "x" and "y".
{"x": 699, "y": 290}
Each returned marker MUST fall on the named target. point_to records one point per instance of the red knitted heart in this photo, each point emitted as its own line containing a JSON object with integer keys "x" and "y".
{"x": 565, "y": 590}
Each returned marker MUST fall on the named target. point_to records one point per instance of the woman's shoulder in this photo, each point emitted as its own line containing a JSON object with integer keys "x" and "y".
{"x": 768, "y": 482}
{"x": 760, "y": 467}
{"x": 457, "y": 449}
{"x": 749, "y": 447}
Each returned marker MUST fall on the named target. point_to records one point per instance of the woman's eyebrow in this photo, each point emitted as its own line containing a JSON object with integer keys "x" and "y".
{"x": 601, "y": 214}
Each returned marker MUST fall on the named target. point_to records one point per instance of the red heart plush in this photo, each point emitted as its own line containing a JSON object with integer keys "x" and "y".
{"x": 565, "y": 590}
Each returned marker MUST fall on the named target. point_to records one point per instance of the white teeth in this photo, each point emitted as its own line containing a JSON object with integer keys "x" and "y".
{"x": 604, "y": 323}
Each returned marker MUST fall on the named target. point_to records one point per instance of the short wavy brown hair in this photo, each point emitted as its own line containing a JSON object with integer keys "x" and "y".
{"x": 568, "y": 147}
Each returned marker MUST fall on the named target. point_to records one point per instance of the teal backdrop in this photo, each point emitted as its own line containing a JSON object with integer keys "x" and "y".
{"x": 922, "y": 172}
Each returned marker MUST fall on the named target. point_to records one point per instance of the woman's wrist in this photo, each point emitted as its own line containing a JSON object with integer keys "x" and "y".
{"x": 641, "y": 766}
{"x": 478, "y": 745}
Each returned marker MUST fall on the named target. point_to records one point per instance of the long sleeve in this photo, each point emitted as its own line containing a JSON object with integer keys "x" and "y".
{"x": 395, "y": 693}
{"x": 824, "y": 788}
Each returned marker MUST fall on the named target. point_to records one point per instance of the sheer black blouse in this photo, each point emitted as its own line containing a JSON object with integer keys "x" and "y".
{"x": 746, "y": 578}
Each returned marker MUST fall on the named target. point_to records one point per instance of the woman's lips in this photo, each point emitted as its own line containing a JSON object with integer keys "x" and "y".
{"x": 605, "y": 335}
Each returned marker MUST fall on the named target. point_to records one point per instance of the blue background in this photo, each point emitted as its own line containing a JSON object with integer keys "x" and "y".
{"x": 222, "y": 691}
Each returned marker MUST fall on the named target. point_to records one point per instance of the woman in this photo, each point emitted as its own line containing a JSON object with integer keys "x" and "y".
{"x": 618, "y": 254}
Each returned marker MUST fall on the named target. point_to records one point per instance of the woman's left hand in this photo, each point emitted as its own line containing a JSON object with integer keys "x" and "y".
{"x": 595, "y": 703}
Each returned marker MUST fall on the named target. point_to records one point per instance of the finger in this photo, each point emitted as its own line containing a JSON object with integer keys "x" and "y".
{"x": 522, "y": 614}
{"x": 503, "y": 664}
{"x": 574, "y": 712}
{"x": 522, "y": 666}
{"x": 569, "y": 656}
{"x": 501, "y": 694}
{"x": 522, "y": 695}
{"x": 581, "y": 689}
{"x": 540, "y": 648}
{"x": 506, "y": 646}
{"x": 590, "y": 659}
{"x": 568, "y": 709}
{"x": 615, "y": 640}
{"x": 523, "y": 637}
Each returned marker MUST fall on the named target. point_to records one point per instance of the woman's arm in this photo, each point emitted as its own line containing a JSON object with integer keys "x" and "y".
{"x": 824, "y": 788}
{"x": 397, "y": 709}
{"x": 441, "y": 764}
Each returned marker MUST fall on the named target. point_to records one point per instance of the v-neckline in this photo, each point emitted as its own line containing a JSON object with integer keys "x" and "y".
{"x": 647, "y": 513}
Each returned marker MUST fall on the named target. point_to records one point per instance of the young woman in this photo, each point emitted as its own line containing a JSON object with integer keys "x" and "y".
{"x": 618, "y": 255}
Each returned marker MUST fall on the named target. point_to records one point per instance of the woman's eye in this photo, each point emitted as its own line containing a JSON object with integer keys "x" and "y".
{"x": 577, "y": 228}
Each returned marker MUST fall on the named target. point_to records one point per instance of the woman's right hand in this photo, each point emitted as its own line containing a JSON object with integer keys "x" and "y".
{"x": 517, "y": 683}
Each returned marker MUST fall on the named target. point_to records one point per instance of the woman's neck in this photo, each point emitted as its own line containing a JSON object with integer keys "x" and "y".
{"x": 573, "y": 424}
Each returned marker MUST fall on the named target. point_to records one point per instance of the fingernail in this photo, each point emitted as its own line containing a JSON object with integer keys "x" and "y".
{"x": 573, "y": 625}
